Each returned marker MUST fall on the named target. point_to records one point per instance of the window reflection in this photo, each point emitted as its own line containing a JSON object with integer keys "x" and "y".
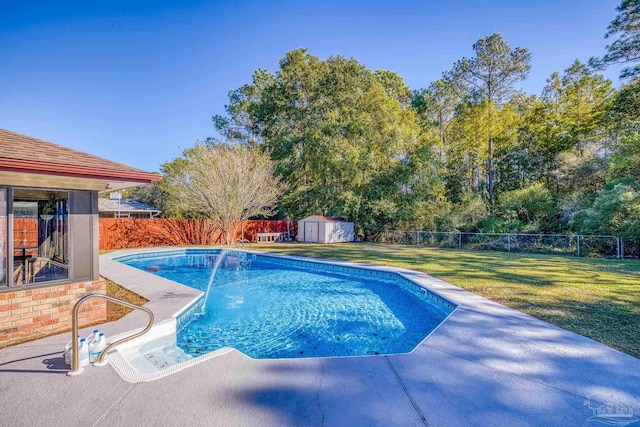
{"x": 40, "y": 236}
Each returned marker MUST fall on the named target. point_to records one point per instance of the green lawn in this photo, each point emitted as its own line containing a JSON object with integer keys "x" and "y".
{"x": 596, "y": 298}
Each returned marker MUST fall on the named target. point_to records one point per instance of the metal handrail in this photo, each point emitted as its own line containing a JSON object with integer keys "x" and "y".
{"x": 75, "y": 361}
{"x": 242, "y": 242}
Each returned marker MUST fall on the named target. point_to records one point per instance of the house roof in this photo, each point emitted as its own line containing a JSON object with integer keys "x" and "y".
{"x": 321, "y": 218}
{"x": 27, "y": 155}
{"x": 125, "y": 205}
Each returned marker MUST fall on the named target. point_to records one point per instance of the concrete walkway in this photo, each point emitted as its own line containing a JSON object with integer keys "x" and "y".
{"x": 486, "y": 365}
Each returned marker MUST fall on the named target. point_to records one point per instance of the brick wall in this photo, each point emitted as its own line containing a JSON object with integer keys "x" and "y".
{"x": 32, "y": 313}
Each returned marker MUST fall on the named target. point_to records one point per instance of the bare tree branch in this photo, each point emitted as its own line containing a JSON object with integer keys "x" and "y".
{"x": 226, "y": 183}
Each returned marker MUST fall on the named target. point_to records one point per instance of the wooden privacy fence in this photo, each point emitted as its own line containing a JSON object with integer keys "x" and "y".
{"x": 120, "y": 233}
{"x": 25, "y": 234}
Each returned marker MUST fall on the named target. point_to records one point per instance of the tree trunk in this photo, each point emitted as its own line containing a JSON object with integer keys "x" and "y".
{"x": 228, "y": 230}
{"x": 490, "y": 166}
{"x": 491, "y": 174}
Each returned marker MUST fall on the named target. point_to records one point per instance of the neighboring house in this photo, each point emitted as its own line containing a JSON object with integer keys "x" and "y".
{"x": 126, "y": 208}
{"x": 49, "y": 233}
{"x": 323, "y": 229}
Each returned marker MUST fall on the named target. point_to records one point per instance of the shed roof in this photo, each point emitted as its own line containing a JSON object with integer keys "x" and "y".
{"x": 321, "y": 218}
{"x": 125, "y": 205}
{"x": 23, "y": 154}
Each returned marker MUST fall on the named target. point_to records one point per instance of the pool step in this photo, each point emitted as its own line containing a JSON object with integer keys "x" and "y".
{"x": 155, "y": 359}
{"x": 167, "y": 356}
{"x": 154, "y": 355}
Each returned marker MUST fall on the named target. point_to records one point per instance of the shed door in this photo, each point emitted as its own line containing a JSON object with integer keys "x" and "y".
{"x": 311, "y": 232}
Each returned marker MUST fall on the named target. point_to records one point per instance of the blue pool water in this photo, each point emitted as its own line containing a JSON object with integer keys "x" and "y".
{"x": 273, "y": 308}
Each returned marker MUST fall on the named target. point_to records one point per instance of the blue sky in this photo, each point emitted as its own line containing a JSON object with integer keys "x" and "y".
{"x": 138, "y": 81}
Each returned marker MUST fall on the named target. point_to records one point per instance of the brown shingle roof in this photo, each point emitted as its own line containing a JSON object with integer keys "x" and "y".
{"x": 21, "y": 147}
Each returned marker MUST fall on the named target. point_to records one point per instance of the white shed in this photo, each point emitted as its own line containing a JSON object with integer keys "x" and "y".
{"x": 322, "y": 229}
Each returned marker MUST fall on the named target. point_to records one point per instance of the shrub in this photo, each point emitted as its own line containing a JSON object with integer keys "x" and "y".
{"x": 469, "y": 212}
{"x": 616, "y": 210}
{"x": 528, "y": 208}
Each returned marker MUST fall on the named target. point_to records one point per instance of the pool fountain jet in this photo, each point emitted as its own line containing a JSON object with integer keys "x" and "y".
{"x": 212, "y": 276}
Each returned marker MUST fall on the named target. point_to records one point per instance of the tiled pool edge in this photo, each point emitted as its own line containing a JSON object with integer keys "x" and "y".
{"x": 184, "y": 315}
{"x": 339, "y": 266}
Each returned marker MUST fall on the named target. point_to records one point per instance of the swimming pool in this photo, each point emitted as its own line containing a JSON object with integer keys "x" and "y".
{"x": 274, "y": 307}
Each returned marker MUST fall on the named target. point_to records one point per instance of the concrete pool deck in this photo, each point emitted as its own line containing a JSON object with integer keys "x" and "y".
{"x": 486, "y": 365}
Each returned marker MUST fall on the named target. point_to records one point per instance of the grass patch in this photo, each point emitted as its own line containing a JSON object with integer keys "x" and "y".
{"x": 593, "y": 297}
{"x": 116, "y": 311}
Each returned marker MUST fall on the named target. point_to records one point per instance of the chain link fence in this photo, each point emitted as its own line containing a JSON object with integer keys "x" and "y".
{"x": 594, "y": 246}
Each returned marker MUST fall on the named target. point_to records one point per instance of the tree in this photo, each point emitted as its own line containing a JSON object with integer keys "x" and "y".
{"x": 572, "y": 129}
{"x": 241, "y": 124}
{"x": 626, "y": 107}
{"x": 467, "y": 152}
{"x": 226, "y": 183}
{"x": 626, "y": 48}
{"x": 422, "y": 199}
{"x": 155, "y": 195}
{"x": 527, "y": 156}
{"x": 585, "y": 99}
{"x": 489, "y": 79}
{"x": 435, "y": 107}
{"x": 340, "y": 135}
{"x": 394, "y": 86}
{"x": 625, "y": 160}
